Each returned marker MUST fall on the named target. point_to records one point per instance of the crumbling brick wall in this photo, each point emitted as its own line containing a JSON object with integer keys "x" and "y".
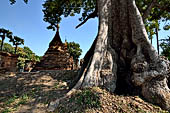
{"x": 8, "y": 62}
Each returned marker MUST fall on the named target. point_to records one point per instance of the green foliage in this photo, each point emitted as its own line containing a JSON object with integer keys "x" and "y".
{"x": 6, "y": 110}
{"x": 37, "y": 58}
{"x": 7, "y": 47}
{"x": 23, "y": 99}
{"x": 15, "y": 101}
{"x": 88, "y": 99}
{"x": 74, "y": 50}
{"x": 21, "y": 62}
{"x": 17, "y": 41}
{"x": 54, "y": 9}
{"x": 11, "y": 100}
{"x": 29, "y": 55}
{"x": 150, "y": 28}
{"x": 167, "y": 27}
{"x": 26, "y": 53}
{"x": 159, "y": 13}
{"x": 3, "y": 34}
{"x": 165, "y": 45}
{"x": 14, "y": 1}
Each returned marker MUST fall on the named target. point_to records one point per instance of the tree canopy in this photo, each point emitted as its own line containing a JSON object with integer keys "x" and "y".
{"x": 17, "y": 41}
{"x": 3, "y": 34}
{"x": 74, "y": 50}
{"x": 54, "y": 10}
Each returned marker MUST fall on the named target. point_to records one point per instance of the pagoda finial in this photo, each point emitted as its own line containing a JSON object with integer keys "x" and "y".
{"x": 58, "y": 27}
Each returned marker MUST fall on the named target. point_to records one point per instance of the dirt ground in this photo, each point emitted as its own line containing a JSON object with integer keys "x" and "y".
{"x": 32, "y": 92}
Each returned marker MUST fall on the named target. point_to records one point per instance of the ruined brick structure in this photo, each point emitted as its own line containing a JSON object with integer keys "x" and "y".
{"x": 56, "y": 57}
{"x": 8, "y": 62}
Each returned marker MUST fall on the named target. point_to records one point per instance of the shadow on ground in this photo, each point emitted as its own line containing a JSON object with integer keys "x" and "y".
{"x": 31, "y": 92}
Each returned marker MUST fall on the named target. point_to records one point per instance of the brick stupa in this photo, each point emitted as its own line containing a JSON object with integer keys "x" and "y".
{"x": 56, "y": 57}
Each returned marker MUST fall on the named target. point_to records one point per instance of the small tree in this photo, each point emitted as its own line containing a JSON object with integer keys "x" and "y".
{"x": 3, "y": 34}
{"x": 74, "y": 50}
{"x": 30, "y": 55}
{"x": 7, "y": 47}
{"x": 17, "y": 41}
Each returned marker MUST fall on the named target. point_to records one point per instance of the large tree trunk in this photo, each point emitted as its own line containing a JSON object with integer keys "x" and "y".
{"x": 149, "y": 70}
{"x": 122, "y": 57}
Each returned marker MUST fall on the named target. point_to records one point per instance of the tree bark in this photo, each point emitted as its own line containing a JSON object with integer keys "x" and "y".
{"x": 122, "y": 57}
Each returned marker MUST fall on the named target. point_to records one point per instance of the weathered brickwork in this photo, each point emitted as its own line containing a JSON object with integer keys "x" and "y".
{"x": 8, "y": 62}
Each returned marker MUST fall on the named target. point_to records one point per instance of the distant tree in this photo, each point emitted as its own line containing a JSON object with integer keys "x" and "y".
{"x": 30, "y": 55}
{"x": 74, "y": 50}
{"x": 3, "y": 34}
{"x": 7, "y": 47}
{"x": 165, "y": 45}
{"x": 17, "y": 41}
{"x": 26, "y": 54}
{"x": 38, "y": 58}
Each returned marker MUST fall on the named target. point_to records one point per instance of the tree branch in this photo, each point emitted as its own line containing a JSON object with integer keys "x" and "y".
{"x": 154, "y": 3}
{"x": 148, "y": 9}
{"x": 92, "y": 15}
{"x": 164, "y": 8}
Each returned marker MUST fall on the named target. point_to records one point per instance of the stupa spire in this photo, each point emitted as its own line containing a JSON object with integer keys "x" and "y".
{"x": 56, "y": 40}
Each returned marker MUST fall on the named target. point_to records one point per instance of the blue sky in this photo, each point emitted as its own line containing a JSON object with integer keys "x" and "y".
{"x": 26, "y": 21}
